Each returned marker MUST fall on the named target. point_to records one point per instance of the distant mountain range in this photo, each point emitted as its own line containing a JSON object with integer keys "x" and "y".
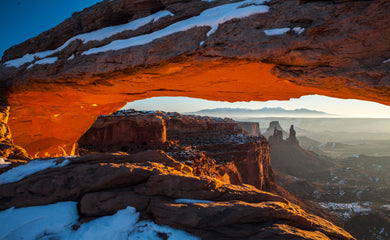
{"x": 278, "y": 111}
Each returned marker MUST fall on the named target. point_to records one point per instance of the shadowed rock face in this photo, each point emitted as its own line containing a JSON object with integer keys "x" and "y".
{"x": 335, "y": 48}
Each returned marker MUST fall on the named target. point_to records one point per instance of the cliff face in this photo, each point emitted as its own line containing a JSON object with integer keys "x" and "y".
{"x": 110, "y": 133}
{"x": 252, "y": 128}
{"x": 212, "y": 146}
{"x": 167, "y": 48}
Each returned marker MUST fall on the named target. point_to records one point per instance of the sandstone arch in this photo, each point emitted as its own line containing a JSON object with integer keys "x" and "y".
{"x": 334, "y": 48}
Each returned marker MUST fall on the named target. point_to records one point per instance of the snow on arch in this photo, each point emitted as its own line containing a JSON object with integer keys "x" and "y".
{"x": 97, "y": 35}
{"x": 211, "y": 17}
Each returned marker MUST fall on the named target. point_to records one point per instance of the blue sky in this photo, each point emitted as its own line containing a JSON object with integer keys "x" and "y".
{"x": 23, "y": 19}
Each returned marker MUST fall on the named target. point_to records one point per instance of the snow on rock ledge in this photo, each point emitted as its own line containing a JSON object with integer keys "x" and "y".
{"x": 55, "y": 221}
{"x": 20, "y": 172}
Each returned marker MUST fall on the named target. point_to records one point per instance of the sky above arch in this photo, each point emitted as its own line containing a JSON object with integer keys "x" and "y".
{"x": 24, "y": 19}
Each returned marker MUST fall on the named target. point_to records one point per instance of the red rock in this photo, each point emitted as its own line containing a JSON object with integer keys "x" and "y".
{"x": 110, "y": 132}
{"x": 106, "y": 183}
{"x": 108, "y": 203}
{"x": 7, "y": 147}
{"x": 252, "y": 128}
{"x": 209, "y": 220}
{"x": 226, "y": 153}
{"x": 266, "y": 67}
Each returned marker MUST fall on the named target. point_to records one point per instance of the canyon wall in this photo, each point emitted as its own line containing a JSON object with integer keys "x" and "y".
{"x": 211, "y": 146}
{"x": 110, "y": 133}
{"x": 60, "y": 81}
{"x": 252, "y": 128}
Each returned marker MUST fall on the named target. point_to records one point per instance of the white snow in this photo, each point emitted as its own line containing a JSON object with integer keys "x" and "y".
{"x": 71, "y": 57}
{"x": 112, "y": 227}
{"x": 210, "y": 17}
{"x": 149, "y": 230}
{"x": 47, "y": 60}
{"x": 201, "y": 43}
{"x": 386, "y": 61}
{"x": 44, "y": 61}
{"x": 97, "y": 35}
{"x": 346, "y": 209}
{"x": 276, "y": 31}
{"x": 35, "y": 222}
{"x": 107, "y": 32}
{"x": 22, "y": 171}
{"x": 281, "y": 31}
{"x": 386, "y": 206}
{"x": 20, "y": 61}
{"x": 3, "y": 162}
{"x": 298, "y": 30}
{"x": 182, "y": 200}
{"x": 55, "y": 221}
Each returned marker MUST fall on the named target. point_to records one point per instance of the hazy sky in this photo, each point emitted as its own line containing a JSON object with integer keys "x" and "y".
{"x": 23, "y": 19}
{"x": 348, "y": 108}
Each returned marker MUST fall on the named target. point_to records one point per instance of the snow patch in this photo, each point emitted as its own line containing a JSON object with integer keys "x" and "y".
{"x": 20, "y": 172}
{"x": 97, "y": 35}
{"x": 44, "y": 61}
{"x": 281, "y": 31}
{"x": 298, "y": 30}
{"x": 71, "y": 57}
{"x": 276, "y": 31}
{"x": 386, "y": 61}
{"x": 211, "y": 17}
{"x": 20, "y": 61}
{"x": 182, "y": 200}
{"x": 149, "y": 230}
{"x": 47, "y": 60}
{"x": 112, "y": 227}
{"x": 346, "y": 209}
{"x": 35, "y": 222}
{"x": 387, "y": 206}
{"x": 55, "y": 221}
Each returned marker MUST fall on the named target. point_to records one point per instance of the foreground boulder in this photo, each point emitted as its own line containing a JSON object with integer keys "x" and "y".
{"x": 169, "y": 194}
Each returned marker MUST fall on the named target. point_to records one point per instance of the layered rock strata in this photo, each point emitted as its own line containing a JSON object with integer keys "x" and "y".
{"x": 153, "y": 183}
{"x": 252, "y": 128}
{"x": 120, "y": 51}
{"x": 110, "y": 133}
{"x": 212, "y": 146}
